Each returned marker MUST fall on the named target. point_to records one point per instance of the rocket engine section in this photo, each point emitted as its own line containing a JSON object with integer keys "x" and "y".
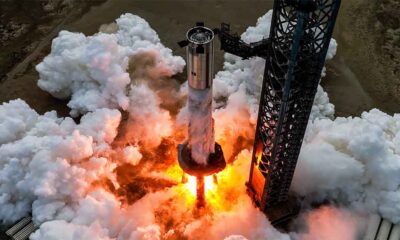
{"x": 200, "y": 156}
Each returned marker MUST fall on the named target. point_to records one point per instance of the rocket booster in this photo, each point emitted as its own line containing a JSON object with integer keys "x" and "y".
{"x": 200, "y": 58}
{"x": 200, "y": 156}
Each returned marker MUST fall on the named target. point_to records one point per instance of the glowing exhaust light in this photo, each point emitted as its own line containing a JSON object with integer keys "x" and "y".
{"x": 259, "y": 153}
{"x": 191, "y": 184}
{"x": 209, "y": 183}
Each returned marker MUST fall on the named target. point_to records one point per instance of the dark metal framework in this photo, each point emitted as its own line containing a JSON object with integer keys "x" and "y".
{"x": 295, "y": 53}
{"x": 233, "y": 44}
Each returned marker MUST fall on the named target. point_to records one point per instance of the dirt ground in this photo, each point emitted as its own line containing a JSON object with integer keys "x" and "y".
{"x": 368, "y": 59}
{"x": 363, "y": 75}
{"x": 26, "y": 30}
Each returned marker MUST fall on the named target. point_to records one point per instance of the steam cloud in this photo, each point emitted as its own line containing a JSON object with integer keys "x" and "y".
{"x": 64, "y": 173}
{"x": 93, "y": 70}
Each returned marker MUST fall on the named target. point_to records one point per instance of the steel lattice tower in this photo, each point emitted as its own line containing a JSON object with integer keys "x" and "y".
{"x": 295, "y": 54}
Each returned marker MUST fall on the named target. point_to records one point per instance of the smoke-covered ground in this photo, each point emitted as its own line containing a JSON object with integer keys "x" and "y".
{"x": 113, "y": 175}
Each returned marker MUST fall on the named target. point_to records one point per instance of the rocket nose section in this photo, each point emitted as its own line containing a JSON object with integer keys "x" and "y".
{"x": 200, "y": 56}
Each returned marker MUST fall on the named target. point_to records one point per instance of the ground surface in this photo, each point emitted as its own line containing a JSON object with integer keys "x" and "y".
{"x": 366, "y": 71}
{"x": 363, "y": 75}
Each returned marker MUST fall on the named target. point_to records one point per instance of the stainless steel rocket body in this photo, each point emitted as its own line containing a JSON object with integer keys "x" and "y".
{"x": 200, "y": 57}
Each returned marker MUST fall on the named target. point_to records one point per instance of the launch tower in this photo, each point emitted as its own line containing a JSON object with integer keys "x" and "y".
{"x": 294, "y": 55}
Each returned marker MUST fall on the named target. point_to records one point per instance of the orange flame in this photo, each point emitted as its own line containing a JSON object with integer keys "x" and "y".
{"x": 191, "y": 184}
{"x": 221, "y": 193}
{"x": 259, "y": 151}
{"x": 209, "y": 184}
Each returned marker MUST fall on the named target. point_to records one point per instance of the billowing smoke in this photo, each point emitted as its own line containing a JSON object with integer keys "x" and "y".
{"x": 329, "y": 223}
{"x": 48, "y": 163}
{"x": 354, "y": 161}
{"x": 148, "y": 123}
{"x": 113, "y": 176}
{"x": 92, "y": 70}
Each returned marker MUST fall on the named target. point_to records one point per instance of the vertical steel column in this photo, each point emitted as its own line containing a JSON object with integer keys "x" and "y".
{"x": 299, "y": 39}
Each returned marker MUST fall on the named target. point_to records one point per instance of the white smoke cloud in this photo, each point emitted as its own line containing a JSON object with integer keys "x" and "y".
{"x": 58, "y": 171}
{"x": 60, "y": 229}
{"x": 330, "y": 223}
{"x": 16, "y": 119}
{"x": 353, "y": 160}
{"x": 54, "y": 161}
{"x": 132, "y": 155}
{"x": 103, "y": 71}
{"x": 100, "y": 215}
{"x": 148, "y": 123}
{"x": 92, "y": 70}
